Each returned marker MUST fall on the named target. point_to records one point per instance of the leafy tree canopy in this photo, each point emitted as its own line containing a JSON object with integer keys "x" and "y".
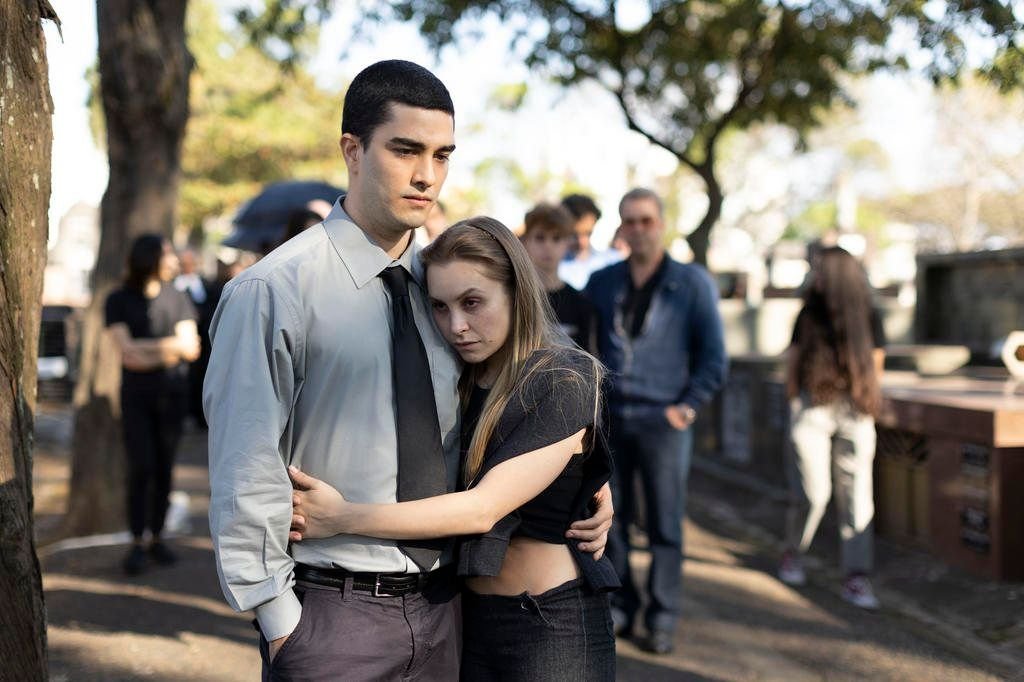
{"x": 249, "y": 126}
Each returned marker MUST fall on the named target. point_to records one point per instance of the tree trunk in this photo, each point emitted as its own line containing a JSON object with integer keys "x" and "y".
{"x": 144, "y": 73}
{"x": 701, "y": 237}
{"x": 25, "y": 138}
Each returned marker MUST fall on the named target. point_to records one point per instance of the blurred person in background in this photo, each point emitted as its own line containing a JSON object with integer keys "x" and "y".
{"x": 548, "y": 230}
{"x": 660, "y": 336}
{"x": 300, "y": 221}
{"x": 834, "y": 369}
{"x": 154, "y": 326}
{"x": 437, "y": 222}
{"x": 583, "y": 259}
{"x": 204, "y": 294}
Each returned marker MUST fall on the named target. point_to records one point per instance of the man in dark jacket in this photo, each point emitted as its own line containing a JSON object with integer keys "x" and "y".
{"x": 660, "y": 335}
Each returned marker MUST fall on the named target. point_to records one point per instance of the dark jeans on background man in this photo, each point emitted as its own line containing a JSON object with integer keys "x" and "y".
{"x": 562, "y": 635}
{"x": 346, "y": 634}
{"x": 661, "y": 455}
{"x": 152, "y": 424}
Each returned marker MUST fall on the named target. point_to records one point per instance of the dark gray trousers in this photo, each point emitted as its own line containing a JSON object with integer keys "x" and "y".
{"x": 352, "y": 635}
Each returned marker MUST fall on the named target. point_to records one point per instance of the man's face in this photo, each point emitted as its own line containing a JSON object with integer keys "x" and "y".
{"x": 395, "y": 179}
{"x": 546, "y": 248}
{"x": 584, "y": 228}
{"x": 642, "y": 227}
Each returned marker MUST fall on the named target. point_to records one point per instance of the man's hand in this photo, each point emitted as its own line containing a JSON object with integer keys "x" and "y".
{"x": 275, "y": 646}
{"x": 680, "y": 416}
{"x": 315, "y": 507}
{"x": 594, "y": 531}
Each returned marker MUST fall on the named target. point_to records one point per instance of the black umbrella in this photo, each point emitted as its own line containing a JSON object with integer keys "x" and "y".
{"x": 261, "y": 221}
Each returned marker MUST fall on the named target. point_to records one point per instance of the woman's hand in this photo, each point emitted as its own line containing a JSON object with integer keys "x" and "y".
{"x": 594, "y": 531}
{"x": 317, "y": 508}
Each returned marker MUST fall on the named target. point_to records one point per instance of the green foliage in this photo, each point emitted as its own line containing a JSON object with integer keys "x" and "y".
{"x": 508, "y": 96}
{"x": 817, "y": 219}
{"x": 250, "y": 123}
{"x": 284, "y": 30}
{"x": 693, "y": 69}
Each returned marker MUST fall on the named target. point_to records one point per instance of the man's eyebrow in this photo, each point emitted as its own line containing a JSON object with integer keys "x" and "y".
{"x": 417, "y": 145}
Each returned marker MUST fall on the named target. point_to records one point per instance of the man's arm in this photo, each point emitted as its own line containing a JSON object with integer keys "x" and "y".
{"x": 247, "y": 398}
{"x": 708, "y": 363}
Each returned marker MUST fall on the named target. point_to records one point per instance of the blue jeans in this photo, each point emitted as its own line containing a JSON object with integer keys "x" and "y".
{"x": 661, "y": 455}
{"x": 562, "y": 635}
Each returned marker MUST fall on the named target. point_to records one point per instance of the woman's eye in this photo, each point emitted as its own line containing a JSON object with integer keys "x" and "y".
{"x": 438, "y": 306}
{"x": 471, "y": 303}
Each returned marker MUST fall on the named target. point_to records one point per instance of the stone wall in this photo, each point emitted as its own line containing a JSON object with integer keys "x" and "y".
{"x": 971, "y": 299}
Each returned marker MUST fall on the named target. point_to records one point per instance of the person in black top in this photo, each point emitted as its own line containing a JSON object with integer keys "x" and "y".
{"x": 154, "y": 327}
{"x": 535, "y": 606}
{"x": 834, "y": 368}
{"x": 546, "y": 236}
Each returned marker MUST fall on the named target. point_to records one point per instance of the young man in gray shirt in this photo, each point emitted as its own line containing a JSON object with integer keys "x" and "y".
{"x": 304, "y": 373}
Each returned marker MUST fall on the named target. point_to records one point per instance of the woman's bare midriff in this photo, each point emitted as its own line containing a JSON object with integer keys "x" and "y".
{"x": 530, "y": 566}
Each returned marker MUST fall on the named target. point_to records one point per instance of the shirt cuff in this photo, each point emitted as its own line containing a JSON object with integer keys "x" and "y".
{"x": 279, "y": 616}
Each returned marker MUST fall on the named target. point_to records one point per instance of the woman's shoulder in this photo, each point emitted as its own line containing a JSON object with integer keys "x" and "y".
{"x": 548, "y": 366}
{"x": 554, "y": 378}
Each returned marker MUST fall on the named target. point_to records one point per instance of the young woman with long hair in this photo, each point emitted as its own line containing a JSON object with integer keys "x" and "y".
{"x": 834, "y": 368}
{"x": 534, "y": 605}
{"x": 154, "y": 327}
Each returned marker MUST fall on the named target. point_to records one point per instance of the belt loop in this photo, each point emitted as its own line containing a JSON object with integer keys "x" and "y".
{"x": 346, "y": 590}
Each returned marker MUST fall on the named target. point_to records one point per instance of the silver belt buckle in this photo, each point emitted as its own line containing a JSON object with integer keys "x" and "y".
{"x": 376, "y": 587}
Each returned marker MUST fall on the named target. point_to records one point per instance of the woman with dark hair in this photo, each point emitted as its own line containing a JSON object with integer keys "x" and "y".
{"x": 834, "y": 369}
{"x": 299, "y": 221}
{"x": 154, "y": 327}
{"x": 534, "y": 607}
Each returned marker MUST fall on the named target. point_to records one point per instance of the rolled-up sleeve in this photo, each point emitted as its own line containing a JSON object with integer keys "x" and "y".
{"x": 250, "y": 387}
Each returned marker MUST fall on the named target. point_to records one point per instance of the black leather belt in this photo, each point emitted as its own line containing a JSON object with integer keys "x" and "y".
{"x": 377, "y": 584}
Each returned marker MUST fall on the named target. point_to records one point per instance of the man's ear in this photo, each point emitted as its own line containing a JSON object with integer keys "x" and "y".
{"x": 351, "y": 150}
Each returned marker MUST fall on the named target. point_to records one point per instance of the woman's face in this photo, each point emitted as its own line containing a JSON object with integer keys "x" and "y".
{"x": 168, "y": 264}
{"x": 473, "y": 311}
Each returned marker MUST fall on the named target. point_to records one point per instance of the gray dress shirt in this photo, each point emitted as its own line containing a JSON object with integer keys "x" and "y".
{"x": 301, "y": 374}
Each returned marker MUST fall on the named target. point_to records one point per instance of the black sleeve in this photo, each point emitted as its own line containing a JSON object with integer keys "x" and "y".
{"x": 558, "y": 398}
{"x": 877, "y": 330}
{"x": 113, "y": 309}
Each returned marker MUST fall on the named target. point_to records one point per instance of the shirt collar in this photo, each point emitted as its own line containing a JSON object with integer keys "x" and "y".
{"x": 363, "y": 258}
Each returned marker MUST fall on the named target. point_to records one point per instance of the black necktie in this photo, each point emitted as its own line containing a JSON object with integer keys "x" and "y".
{"x": 421, "y": 465}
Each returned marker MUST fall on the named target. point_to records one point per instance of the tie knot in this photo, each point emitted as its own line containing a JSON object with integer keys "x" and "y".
{"x": 395, "y": 280}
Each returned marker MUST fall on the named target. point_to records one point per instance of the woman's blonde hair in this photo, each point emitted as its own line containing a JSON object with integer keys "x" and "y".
{"x": 486, "y": 242}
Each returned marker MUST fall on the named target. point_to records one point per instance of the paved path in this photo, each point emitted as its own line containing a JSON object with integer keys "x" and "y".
{"x": 740, "y": 623}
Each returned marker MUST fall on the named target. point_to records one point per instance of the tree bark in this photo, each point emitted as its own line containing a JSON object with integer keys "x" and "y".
{"x": 701, "y": 237}
{"x": 144, "y": 85}
{"x": 25, "y": 138}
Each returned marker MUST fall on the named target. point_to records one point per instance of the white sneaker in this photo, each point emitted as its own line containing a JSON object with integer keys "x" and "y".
{"x": 791, "y": 570}
{"x": 857, "y": 590}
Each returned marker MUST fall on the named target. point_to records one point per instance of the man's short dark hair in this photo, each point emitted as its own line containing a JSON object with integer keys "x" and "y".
{"x": 580, "y": 205}
{"x": 378, "y": 85}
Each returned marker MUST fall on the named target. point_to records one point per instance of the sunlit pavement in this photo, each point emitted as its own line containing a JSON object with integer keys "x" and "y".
{"x": 739, "y": 622}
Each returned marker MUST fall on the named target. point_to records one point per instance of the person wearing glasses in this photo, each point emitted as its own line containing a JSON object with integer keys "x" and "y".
{"x": 660, "y": 336}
